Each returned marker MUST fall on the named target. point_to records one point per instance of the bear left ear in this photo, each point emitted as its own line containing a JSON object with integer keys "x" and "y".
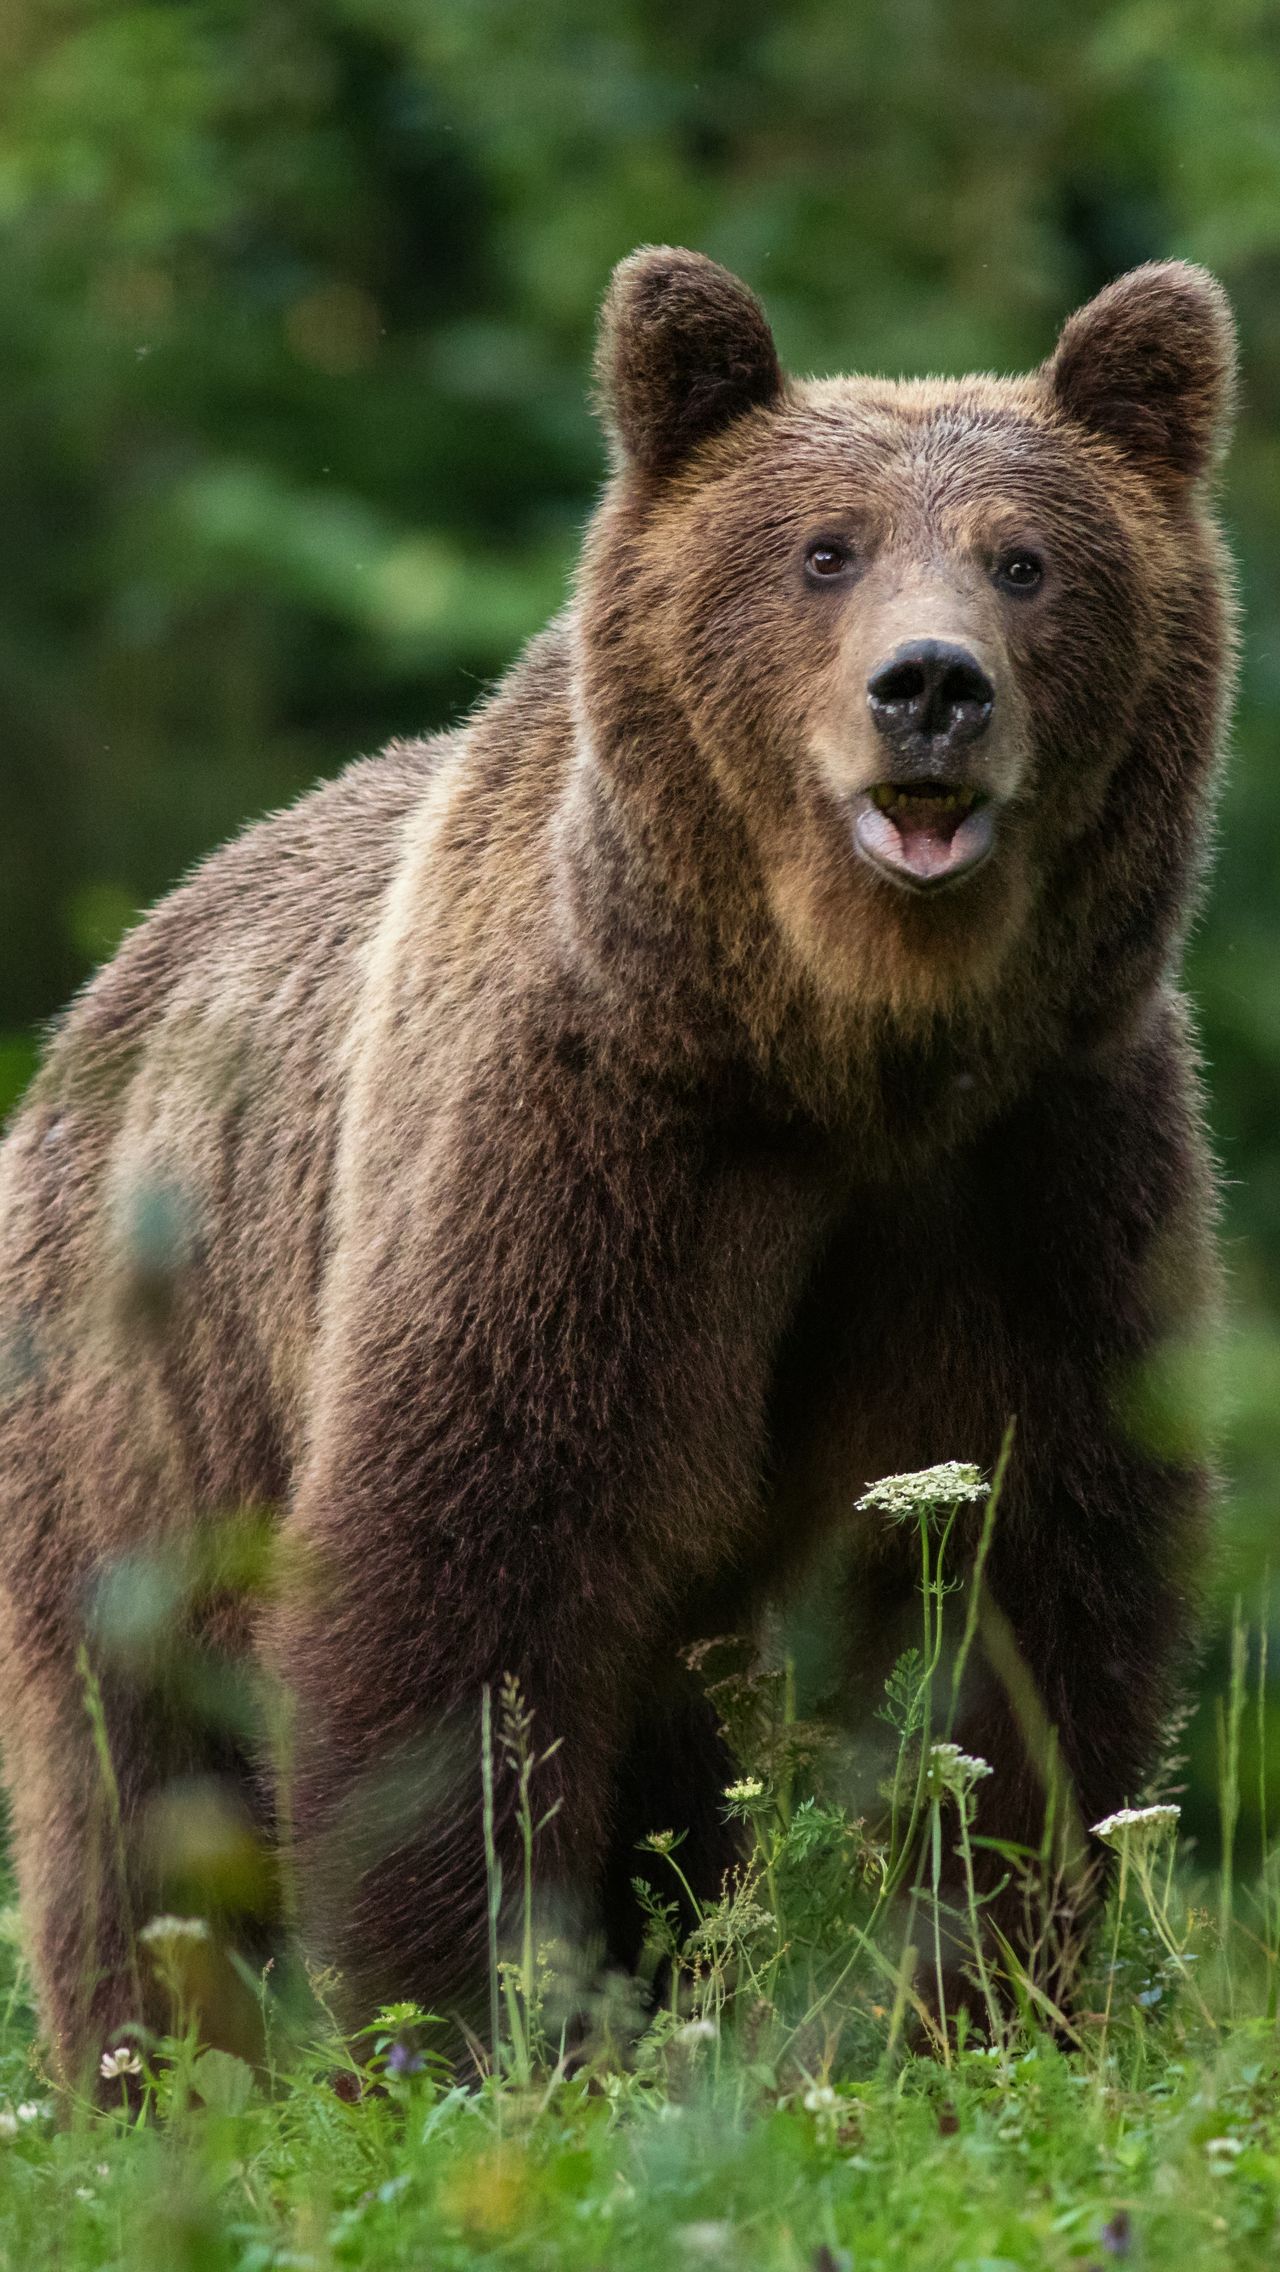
{"x": 683, "y": 350}
{"x": 1151, "y": 364}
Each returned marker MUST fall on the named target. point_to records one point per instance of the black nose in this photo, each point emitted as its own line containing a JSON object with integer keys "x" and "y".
{"x": 930, "y": 698}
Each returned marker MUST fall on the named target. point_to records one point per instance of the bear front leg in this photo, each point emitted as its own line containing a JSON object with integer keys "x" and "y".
{"x": 392, "y": 1862}
{"x": 386, "y": 1665}
{"x": 1080, "y": 1653}
{"x": 540, "y": 1430}
{"x": 1093, "y": 1207}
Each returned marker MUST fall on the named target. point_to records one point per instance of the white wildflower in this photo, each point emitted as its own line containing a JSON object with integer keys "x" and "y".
{"x": 951, "y": 1769}
{"x": 697, "y": 2031}
{"x": 820, "y": 2099}
{"x": 1137, "y": 1831}
{"x": 742, "y": 1793}
{"x": 660, "y": 1841}
{"x": 30, "y": 2110}
{"x": 904, "y": 1498}
{"x": 1223, "y": 2151}
{"x": 121, "y": 2061}
{"x": 85, "y": 2193}
{"x": 164, "y": 1931}
{"x": 709, "y": 2237}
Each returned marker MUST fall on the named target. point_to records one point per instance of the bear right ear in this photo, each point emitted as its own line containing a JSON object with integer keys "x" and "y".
{"x": 1151, "y": 364}
{"x": 683, "y": 350}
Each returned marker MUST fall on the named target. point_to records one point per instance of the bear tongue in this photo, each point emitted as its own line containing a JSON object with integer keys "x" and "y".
{"x": 924, "y": 840}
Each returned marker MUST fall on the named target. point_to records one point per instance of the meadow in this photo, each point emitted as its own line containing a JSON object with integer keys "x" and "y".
{"x": 779, "y": 2090}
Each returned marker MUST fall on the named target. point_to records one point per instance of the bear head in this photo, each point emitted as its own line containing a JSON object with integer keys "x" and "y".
{"x": 942, "y": 660}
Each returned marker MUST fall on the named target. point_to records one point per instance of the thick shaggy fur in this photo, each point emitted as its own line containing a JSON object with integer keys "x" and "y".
{"x": 553, "y": 1173}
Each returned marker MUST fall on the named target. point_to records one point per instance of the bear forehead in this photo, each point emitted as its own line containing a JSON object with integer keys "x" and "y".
{"x": 906, "y": 409}
{"x": 987, "y": 446}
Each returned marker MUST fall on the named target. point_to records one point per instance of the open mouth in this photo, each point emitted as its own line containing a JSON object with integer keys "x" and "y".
{"x": 924, "y": 834}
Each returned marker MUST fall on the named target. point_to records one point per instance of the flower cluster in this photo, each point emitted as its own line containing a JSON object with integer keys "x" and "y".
{"x": 743, "y": 1793}
{"x": 820, "y": 2099}
{"x": 904, "y": 1498}
{"x": 696, "y": 2031}
{"x": 956, "y": 1771}
{"x": 1137, "y": 1831}
{"x": 162, "y": 1930}
{"x": 14, "y": 2118}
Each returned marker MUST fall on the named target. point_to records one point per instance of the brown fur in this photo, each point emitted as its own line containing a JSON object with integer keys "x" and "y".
{"x": 550, "y": 1169}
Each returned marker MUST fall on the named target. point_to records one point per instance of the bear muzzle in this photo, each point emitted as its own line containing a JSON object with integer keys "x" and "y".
{"x": 928, "y": 823}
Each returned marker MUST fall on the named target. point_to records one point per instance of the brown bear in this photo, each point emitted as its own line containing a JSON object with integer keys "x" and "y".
{"x": 556, "y": 1165}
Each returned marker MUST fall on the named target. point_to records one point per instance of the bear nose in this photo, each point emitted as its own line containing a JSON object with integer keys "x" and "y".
{"x": 930, "y": 698}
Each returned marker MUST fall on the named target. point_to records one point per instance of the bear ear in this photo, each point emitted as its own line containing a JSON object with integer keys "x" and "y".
{"x": 683, "y": 349}
{"x": 1151, "y": 364}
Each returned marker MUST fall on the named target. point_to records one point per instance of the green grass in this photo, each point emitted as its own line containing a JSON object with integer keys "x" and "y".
{"x": 775, "y": 2110}
{"x": 1171, "y": 2149}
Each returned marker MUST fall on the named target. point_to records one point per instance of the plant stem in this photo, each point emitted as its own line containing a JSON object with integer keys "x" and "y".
{"x": 974, "y": 1602}
{"x": 935, "y": 1852}
{"x": 493, "y": 1876}
{"x": 1229, "y": 1777}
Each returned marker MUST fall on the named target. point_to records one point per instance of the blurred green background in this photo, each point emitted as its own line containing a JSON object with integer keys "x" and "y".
{"x": 295, "y": 313}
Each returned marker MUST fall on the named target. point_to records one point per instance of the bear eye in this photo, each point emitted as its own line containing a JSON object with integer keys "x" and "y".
{"x": 1020, "y": 571}
{"x": 825, "y": 559}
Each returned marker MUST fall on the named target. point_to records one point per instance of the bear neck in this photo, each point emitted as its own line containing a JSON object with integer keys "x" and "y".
{"x": 667, "y": 920}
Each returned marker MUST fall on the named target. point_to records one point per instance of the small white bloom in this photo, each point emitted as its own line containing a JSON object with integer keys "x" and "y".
{"x": 1223, "y": 2150}
{"x": 1137, "y": 1830}
{"x": 697, "y": 2031}
{"x": 903, "y": 1498}
{"x": 166, "y": 1928}
{"x": 8, "y": 2122}
{"x": 750, "y": 1787}
{"x": 85, "y": 2193}
{"x": 121, "y": 2061}
{"x": 30, "y": 2111}
{"x": 819, "y": 2099}
{"x": 707, "y": 2238}
{"x": 951, "y": 1769}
